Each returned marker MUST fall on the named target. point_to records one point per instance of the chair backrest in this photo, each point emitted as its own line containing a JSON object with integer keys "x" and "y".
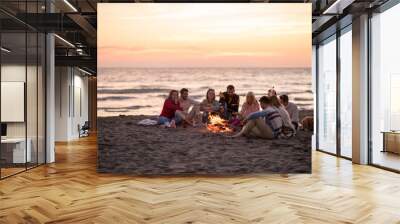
{"x": 86, "y": 125}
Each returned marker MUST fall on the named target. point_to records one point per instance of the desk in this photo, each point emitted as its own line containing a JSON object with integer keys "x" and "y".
{"x": 391, "y": 141}
{"x": 17, "y": 146}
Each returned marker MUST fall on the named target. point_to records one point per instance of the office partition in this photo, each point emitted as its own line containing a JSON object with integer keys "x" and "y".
{"x": 22, "y": 77}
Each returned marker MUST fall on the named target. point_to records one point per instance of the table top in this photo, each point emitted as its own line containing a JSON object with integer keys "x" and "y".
{"x": 391, "y": 132}
{"x": 13, "y": 140}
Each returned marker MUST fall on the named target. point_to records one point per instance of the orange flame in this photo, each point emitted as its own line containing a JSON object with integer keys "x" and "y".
{"x": 217, "y": 124}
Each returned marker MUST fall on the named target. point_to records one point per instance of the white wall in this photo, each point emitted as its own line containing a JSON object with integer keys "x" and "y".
{"x": 71, "y": 102}
{"x": 62, "y": 82}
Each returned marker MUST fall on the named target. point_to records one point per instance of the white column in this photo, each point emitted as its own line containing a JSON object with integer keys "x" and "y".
{"x": 360, "y": 90}
{"x": 50, "y": 92}
{"x": 50, "y": 98}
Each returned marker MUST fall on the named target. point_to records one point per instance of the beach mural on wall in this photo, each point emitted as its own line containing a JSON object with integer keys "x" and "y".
{"x": 242, "y": 74}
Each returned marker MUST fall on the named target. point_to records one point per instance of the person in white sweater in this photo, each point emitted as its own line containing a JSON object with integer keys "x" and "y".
{"x": 292, "y": 109}
{"x": 288, "y": 129}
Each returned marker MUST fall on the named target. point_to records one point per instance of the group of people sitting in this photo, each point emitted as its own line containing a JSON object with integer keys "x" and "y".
{"x": 271, "y": 117}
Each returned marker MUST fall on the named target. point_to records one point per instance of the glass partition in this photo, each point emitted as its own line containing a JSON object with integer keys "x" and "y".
{"x": 385, "y": 89}
{"x": 13, "y": 94}
{"x": 31, "y": 98}
{"x": 327, "y": 96}
{"x": 22, "y": 107}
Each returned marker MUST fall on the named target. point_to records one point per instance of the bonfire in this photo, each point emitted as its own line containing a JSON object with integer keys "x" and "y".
{"x": 216, "y": 124}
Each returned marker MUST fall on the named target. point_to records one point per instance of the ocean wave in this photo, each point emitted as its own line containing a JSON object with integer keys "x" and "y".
{"x": 116, "y": 109}
{"x": 304, "y": 104}
{"x": 303, "y": 99}
{"x": 106, "y": 98}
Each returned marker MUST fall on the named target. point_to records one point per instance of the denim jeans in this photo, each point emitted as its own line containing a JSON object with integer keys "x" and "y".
{"x": 164, "y": 120}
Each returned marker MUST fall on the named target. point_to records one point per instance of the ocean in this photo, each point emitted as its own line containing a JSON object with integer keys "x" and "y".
{"x": 142, "y": 91}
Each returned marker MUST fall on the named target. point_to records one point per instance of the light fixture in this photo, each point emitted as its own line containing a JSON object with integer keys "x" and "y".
{"x": 5, "y": 50}
{"x": 84, "y": 71}
{"x": 64, "y": 40}
{"x": 70, "y": 5}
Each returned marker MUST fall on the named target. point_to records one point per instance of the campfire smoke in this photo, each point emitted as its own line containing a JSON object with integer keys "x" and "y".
{"x": 217, "y": 124}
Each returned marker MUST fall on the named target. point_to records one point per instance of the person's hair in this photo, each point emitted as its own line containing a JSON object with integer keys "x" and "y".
{"x": 265, "y": 99}
{"x": 230, "y": 87}
{"x": 275, "y": 101}
{"x": 251, "y": 94}
{"x": 284, "y": 98}
{"x": 209, "y": 90}
{"x": 184, "y": 90}
{"x": 171, "y": 92}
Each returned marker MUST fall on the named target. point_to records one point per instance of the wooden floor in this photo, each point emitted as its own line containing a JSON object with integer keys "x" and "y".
{"x": 387, "y": 159}
{"x": 70, "y": 191}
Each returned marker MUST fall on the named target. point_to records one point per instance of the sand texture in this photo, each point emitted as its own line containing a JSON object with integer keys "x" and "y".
{"x": 127, "y": 148}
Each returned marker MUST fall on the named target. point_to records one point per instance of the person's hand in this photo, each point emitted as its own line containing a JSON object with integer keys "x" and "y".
{"x": 221, "y": 94}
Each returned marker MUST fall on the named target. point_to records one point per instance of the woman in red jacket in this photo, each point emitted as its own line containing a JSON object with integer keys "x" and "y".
{"x": 169, "y": 116}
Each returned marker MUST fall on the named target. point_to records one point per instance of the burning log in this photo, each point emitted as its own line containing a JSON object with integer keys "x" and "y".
{"x": 216, "y": 124}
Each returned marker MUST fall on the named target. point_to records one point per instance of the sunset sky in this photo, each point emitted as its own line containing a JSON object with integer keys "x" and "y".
{"x": 204, "y": 35}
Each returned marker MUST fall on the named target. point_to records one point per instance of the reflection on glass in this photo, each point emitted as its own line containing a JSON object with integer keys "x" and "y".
{"x": 346, "y": 94}
{"x": 31, "y": 100}
{"x": 385, "y": 84}
{"x": 327, "y": 96}
{"x": 15, "y": 151}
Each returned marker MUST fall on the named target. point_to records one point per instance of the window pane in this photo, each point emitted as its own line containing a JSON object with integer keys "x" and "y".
{"x": 346, "y": 94}
{"x": 327, "y": 96}
{"x": 385, "y": 84}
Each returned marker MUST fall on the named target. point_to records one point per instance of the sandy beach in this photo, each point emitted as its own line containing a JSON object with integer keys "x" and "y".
{"x": 125, "y": 147}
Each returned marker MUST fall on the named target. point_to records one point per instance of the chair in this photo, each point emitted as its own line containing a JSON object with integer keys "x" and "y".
{"x": 84, "y": 130}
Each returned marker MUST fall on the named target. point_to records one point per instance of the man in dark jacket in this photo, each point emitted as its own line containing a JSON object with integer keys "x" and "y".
{"x": 230, "y": 100}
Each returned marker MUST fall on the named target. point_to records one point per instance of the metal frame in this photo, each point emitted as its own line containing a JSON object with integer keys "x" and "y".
{"x": 316, "y": 96}
{"x": 338, "y": 96}
{"x": 369, "y": 78}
